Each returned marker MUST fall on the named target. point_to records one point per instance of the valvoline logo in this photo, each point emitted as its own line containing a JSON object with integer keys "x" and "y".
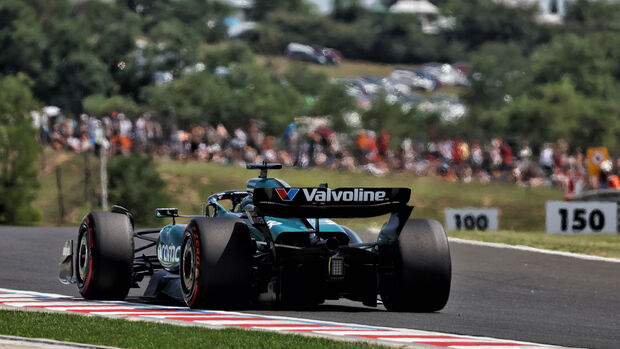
{"x": 287, "y": 195}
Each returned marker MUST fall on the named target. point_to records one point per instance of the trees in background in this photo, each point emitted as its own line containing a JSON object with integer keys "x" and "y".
{"x": 380, "y": 37}
{"x": 73, "y": 50}
{"x": 585, "y": 16}
{"x": 18, "y": 151}
{"x": 248, "y": 91}
{"x": 398, "y": 37}
{"x": 40, "y": 39}
{"x": 485, "y": 21}
{"x": 565, "y": 87}
{"x": 98, "y": 56}
{"x": 136, "y": 184}
{"x": 262, "y": 8}
{"x": 557, "y": 110}
{"x": 101, "y": 105}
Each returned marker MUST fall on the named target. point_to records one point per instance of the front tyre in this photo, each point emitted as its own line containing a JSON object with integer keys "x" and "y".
{"x": 417, "y": 270}
{"x": 216, "y": 263}
{"x": 104, "y": 256}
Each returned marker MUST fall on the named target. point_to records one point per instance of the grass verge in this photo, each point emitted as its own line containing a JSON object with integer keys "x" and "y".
{"x": 604, "y": 245}
{"x": 138, "y": 334}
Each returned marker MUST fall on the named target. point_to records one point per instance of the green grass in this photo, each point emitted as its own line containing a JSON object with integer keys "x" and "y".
{"x": 522, "y": 210}
{"x": 604, "y": 245}
{"x": 72, "y": 179}
{"x": 137, "y": 334}
{"x": 349, "y": 69}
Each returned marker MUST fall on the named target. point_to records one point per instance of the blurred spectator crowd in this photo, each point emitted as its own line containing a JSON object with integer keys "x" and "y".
{"x": 310, "y": 142}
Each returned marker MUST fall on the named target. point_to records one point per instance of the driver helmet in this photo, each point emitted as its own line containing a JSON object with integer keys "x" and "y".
{"x": 245, "y": 202}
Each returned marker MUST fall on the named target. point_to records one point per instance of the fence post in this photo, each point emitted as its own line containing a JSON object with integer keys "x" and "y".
{"x": 61, "y": 206}
{"x": 86, "y": 177}
{"x": 104, "y": 178}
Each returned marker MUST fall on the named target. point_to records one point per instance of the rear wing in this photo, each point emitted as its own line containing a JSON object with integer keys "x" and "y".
{"x": 312, "y": 202}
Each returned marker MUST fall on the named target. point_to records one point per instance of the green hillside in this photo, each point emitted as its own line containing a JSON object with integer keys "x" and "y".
{"x": 189, "y": 183}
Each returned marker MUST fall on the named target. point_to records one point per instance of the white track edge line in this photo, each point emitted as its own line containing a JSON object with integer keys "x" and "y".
{"x": 17, "y": 342}
{"x": 537, "y": 250}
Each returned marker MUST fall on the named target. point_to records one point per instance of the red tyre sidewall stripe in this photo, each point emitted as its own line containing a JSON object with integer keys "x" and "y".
{"x": 191, "y": 302}
{"x": 90, "y": 272}
{"x": 90, "y": 260}
{"x": 194, "y": 236}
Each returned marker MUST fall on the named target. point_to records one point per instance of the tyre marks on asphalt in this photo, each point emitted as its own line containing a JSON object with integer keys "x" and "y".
{"x": 217, "y": 319}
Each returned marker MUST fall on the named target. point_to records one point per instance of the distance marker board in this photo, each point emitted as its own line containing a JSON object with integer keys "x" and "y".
{"x": 471, "y": 218}
{"x": 581, "y": 217}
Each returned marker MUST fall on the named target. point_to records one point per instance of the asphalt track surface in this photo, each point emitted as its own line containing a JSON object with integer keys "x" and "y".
{"x": 496, "y": 292}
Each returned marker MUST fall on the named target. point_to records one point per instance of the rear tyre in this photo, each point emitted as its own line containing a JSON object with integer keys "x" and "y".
{"x": 416, "y": 272}
{"x": 104, "y": 256}
{"x": 216, "y": 263}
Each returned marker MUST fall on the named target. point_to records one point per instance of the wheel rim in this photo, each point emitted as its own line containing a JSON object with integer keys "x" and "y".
{"x": 188, "y": 266}
{"x": 83, "y": 257}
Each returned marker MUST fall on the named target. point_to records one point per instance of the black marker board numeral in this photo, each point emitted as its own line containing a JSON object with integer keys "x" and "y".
{"x": 595, "y": 220}
{"x": 471, "y": 222}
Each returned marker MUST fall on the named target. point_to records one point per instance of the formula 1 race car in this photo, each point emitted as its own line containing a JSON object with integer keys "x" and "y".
{"x": 275, "y": 245}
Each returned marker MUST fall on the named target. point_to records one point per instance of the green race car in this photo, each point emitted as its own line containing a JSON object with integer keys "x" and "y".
{"x": 269, "y": 244}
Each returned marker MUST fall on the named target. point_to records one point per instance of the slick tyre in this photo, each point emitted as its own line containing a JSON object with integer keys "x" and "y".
{"x": 104, "y": 253}
{"x": 216, "y": 263}
{"x": 416, "y": 272}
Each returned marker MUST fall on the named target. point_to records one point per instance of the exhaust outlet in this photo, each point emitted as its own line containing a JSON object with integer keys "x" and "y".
{"x": 332, "y": 244}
